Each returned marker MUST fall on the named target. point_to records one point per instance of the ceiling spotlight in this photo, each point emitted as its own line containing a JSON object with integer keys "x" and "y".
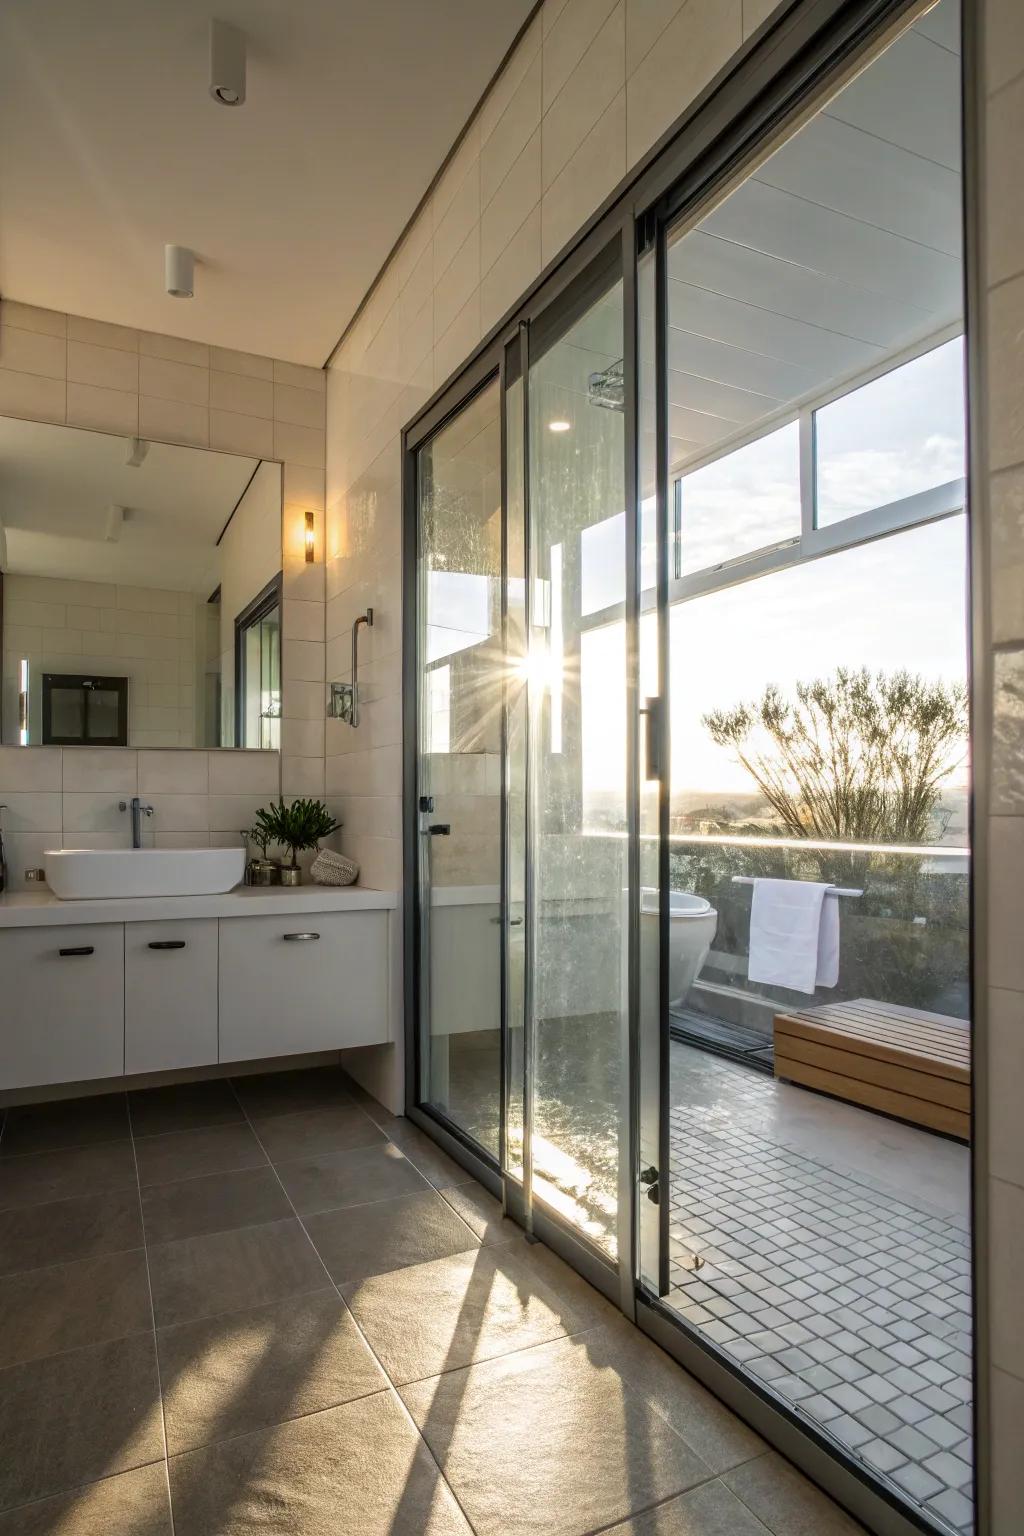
{"x": 137, "y": 450}
{"x": 179, "y": 271}
{"x": 559, "y": 425}
{"x": 227, "y": 64}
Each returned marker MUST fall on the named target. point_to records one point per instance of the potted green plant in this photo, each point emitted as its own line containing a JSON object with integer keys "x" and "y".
{"x": 298, "y": 825}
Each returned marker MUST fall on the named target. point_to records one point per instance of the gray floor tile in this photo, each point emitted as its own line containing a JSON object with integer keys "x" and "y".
{"x": 482, "y": 1213}
{"x": 183, "y": 1107}
{"x": 434, "y": 1317}
{"x": 64, "y": 1123}
{"x": 200, "y": 1276}
{"x": 75, "y": 1417}
{"x": 128, "y": 1504}
{"x": 284, "y": 1093}
{"x": 64, "y": 1175}
{"x": 214, "y": 1202}
{"x": 64, "y": 1230}
{"x": 710, "y": 1510}
{"x": 359, "y": 1468}
{"x": 435, "y": 1165}
{"x": 785, "y": 1501}
{"x": 243, "y": 1371}
{"x": 304, "y": 1134}
{"x": 44, "y": 1311}
{"x": 498, "y": 1431}
{"x": 331, "y": 1180}
{"x": 189, "y": 1154}
{"x": 366, "y": 1240}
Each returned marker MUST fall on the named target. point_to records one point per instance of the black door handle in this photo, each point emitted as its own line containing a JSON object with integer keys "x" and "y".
{"x": 81, "y": 949}
{"x": 167, "y": 944}
{"x": 440, "y": 829}
{"x": 653, "y": 767}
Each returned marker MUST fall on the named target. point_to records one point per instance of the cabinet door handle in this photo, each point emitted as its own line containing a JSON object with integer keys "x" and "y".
{"x": 81, "y": 949}
{"x": 298, "y": 938}
{"x": 167, "y": 944}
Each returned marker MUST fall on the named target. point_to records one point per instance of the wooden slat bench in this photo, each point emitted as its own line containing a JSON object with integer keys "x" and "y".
{"x": 901, "y": 1061}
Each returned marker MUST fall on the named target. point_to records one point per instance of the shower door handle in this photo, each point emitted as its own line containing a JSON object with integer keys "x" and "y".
{"x": 652, "y": 709}
{"x": 440, "y": 829}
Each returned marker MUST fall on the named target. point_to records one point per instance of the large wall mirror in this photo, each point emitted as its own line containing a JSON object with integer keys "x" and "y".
{"x": 140, "y": 592}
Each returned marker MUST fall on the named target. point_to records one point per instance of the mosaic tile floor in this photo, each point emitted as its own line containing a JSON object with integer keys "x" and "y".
{"x": 850, "y": 1300}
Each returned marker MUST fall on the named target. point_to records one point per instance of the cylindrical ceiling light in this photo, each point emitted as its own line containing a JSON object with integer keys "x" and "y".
{"x": 179, "y": 271}
{"x": 227, "y": 64}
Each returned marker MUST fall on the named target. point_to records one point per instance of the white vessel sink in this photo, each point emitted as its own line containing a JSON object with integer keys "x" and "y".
{"x": 76, "y": 874}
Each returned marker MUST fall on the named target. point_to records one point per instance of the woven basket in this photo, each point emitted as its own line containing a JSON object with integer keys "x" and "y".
{"x": 329, "y": 868}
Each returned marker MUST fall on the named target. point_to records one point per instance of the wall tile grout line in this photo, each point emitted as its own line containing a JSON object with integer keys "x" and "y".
{"x": 387, "y": 1377}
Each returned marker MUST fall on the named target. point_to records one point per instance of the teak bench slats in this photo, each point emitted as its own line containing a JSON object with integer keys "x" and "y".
{"x": 900, "y": 1061}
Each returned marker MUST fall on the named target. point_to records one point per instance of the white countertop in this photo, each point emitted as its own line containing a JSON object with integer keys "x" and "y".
{"x": 41, "y": 909}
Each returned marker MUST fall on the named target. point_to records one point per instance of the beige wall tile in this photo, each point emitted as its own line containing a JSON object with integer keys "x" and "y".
{"x": 1006, "y": 862}
{"x": 596, "y": 167}
{"x": 459, "y": 220}
{"x": 516, "y": 198}
{"x": 1004, "y": 206}
{"x": 646, "y": 20}
{"x": 1003, "y": 39}
{"x": 1006, "y": 1264}
{"x": 31, "y": 810}
{"x": 1005, "y": 374}
{"x": 1006, "y": 523}
{"x": 255, "y": 367}
{"x": 174, "y": 773}
{"x": 303, "y": 621}
{"x": 512, "y": 273}
{"x": 755, "y": 12}
{"x": 98, "y": 333}
{"x": 174, "y": 381}
{"x": 303, "y": 486}
{"x": 251, "y": 435}
{"x": 110, "y": 367}
{"x": 26, "y": 850}
{"x": 567, "y": 37}
{"x": 174, "y": 350}
{"x": 457, "y": 283}
{"x": 1006, "y": 1084}
{"x": 455, "y": 345}
{"x": 94, "y": 810}
{"x": 104, "y": 410}
{"x": 299, "y": 377}
{"x": 455, "y": 172}
{"x": 302, "y": 738}
{"x": 229, "y": 813}
{"x": 500, "y": 96}
{"x": 27, "y": 317}
{"x": 299, "y": 445}
{"x": 178, "y": 813}
{"x": 302, "y": 661}
{"x": 589, "y": 90}
{"x": 1007, "y": 1407}
{"x": 302, "y": 776}
{"x": 172, "y": 421}
{"x": 244, "y": 773}
{"x": 33, "y": 352}
{"x": 244, "y": 394}
{"x": 300, "y": 407}
{"x": 32, "y": 395}
{"x": 693, "y": 48}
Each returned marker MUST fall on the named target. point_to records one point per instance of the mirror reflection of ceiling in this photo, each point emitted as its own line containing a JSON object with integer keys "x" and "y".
{"x": 842, "y": 249}
{"x": 71, "y": 505}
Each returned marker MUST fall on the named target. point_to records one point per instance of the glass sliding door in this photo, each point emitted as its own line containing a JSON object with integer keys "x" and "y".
{"x": 805, "y": 636}
{"x": 460, "y": 676}
{"x": 575, "y": 668}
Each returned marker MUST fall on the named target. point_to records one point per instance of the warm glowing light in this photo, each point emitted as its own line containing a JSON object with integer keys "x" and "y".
{"x": 559, "y": 425}
{"x": 23, "y": 701}
{"x": 310, "y": 538}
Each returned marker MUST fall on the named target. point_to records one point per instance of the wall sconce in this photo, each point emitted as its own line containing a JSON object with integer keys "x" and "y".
{"x": 310, "y": 538}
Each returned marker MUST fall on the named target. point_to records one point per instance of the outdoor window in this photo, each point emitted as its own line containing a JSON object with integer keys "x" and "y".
{"x": 745, "y": 501}
{"x": 894, "y": 437}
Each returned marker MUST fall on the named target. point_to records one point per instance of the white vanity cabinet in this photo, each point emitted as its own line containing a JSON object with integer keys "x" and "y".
{"x": 62, "y": 1007}
{"x": 170, "y": 994}
{"x": 112, "y": 988}
{"x": 302, "y": 982}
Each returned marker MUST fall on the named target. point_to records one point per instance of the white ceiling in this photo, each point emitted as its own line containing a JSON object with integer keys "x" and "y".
{"x": 57, "y": 485}
{"x": 110, "y": 146}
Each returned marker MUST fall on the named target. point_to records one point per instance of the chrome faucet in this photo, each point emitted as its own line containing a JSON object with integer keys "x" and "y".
{"x": 138, "y": 810}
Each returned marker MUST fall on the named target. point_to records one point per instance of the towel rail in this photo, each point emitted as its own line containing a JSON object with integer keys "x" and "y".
{"x": 831, "y": 890}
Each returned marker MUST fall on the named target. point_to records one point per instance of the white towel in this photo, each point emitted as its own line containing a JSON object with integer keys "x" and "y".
{"x": 794, "y": 935}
